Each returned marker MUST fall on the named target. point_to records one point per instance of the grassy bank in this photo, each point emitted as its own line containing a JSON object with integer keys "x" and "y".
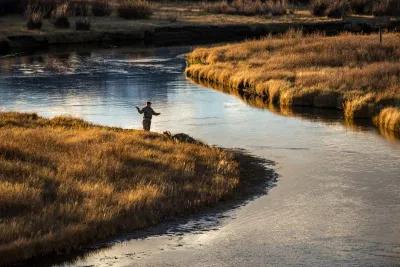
{"x": 352, "y": 73}
{"x": 66, "y": 183}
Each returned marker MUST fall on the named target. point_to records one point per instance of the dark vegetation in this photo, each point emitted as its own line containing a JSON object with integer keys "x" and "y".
{"x": 339, "y": 8}
{"x": 330, "y": 8}
{"x": 60, "y": 11}
{"x": 82, "y": 24}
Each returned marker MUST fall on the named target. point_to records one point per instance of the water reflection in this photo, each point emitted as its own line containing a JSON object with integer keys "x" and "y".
{"x": 328, "y": 116}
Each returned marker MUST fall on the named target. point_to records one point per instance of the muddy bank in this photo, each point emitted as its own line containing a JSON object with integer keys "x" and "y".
{"x": 177, "y": 35}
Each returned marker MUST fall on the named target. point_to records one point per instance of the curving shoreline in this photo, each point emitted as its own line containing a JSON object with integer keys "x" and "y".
{"x": 243, "y": 68}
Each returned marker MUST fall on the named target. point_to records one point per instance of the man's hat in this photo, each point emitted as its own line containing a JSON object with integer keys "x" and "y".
{"x": 148, "y": 103}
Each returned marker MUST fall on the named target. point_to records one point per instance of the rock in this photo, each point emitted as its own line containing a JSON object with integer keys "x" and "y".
{"x": 182, "y": 138}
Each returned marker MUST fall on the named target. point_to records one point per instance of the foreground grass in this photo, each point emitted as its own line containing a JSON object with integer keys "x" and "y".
{"x": 65, "y": 182}
{"x": 353, "y": 73}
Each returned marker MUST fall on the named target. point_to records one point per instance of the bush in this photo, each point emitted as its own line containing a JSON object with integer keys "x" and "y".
{"x": 361, "y": 6}
{"x": 60, "y": 16}
{"x": 248, "y": 7}
{"x": 338, "y": 9}
{"x": 101, "y": 8}
{"x": 319, "y": 7}
{"x": 134, "y": 9}
{"x": 82, "y": 24}
{"x": 386, "y": 8}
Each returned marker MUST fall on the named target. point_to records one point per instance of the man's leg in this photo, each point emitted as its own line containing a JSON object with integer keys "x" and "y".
{"x": 146, "y": 125}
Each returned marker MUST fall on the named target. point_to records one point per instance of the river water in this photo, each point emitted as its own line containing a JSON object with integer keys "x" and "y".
{"x": 336, "y": 201}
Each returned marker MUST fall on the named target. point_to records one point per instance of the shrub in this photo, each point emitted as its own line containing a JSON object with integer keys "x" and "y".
{"x": 101, "y": 8}
{"x": 361, "y": 6}
{"x": 319, "y": 7}
{"x": 248, "y": 7}
{"x": 338, "y": 9}
{"x": 34, "y": 16}
{"x": 386, "y": 8}
{"x": 134, "y": 9}
{"x": 82, "y": 24}
{"x": 60, "y": 16}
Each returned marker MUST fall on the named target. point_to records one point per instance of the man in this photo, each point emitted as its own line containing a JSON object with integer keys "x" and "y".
{"x": 148, "y": 114}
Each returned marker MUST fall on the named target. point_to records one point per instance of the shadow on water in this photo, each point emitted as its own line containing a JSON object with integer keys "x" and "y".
{"x": 328, "y": 116}
{"x": 256, "y": 178}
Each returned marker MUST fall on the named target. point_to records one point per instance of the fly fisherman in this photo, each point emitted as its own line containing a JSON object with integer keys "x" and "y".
{"x": 148, "y": 113}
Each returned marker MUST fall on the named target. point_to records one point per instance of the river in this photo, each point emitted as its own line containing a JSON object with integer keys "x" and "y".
{"x": 336, "y": 201}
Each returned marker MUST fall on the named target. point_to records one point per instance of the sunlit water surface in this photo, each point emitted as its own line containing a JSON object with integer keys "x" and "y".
{"x": 337, "y": 198}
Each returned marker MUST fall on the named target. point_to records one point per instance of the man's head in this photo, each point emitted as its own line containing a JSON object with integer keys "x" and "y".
{"x": 148, "y": 103}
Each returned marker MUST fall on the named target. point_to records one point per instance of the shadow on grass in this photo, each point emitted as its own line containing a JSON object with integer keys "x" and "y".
{"x": 256, "y": 178}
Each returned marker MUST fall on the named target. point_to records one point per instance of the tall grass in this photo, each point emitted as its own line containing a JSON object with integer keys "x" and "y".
{"x": 134, "y": 9}
{"x": 353, "y": 73}
{"x": 247, "y": 7}
{"x": 338, "y": 8}
{"x": 65, "y": 182}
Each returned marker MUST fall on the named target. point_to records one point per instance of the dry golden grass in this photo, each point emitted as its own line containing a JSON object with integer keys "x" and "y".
{"x": 65, "y": 182}
{"x": 354, "y": 73}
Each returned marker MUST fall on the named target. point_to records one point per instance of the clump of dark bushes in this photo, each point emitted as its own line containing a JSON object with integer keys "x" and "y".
{"x": 338, "y": 9}
{"x": 101, "y": 8}
{"x": 134, "y": 9}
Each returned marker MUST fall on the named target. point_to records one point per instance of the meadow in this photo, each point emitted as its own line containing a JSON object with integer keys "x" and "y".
{"x": 353, "y": 73}
{"x": 65, "y": 183}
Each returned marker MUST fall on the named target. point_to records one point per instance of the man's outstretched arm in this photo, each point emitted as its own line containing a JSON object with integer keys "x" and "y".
{"x": 139, "y": 110}
{"x": 155, "y": 113}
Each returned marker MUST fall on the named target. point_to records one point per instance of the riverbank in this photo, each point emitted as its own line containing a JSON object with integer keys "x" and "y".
{"x": 174, "y": 24}
{"x": 351, "y": 73}
{"x": 67, "y": 183}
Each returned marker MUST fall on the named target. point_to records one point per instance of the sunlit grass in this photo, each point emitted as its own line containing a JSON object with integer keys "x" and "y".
{"x": 65, "y": 182}
{"x": 353, "y": 73}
